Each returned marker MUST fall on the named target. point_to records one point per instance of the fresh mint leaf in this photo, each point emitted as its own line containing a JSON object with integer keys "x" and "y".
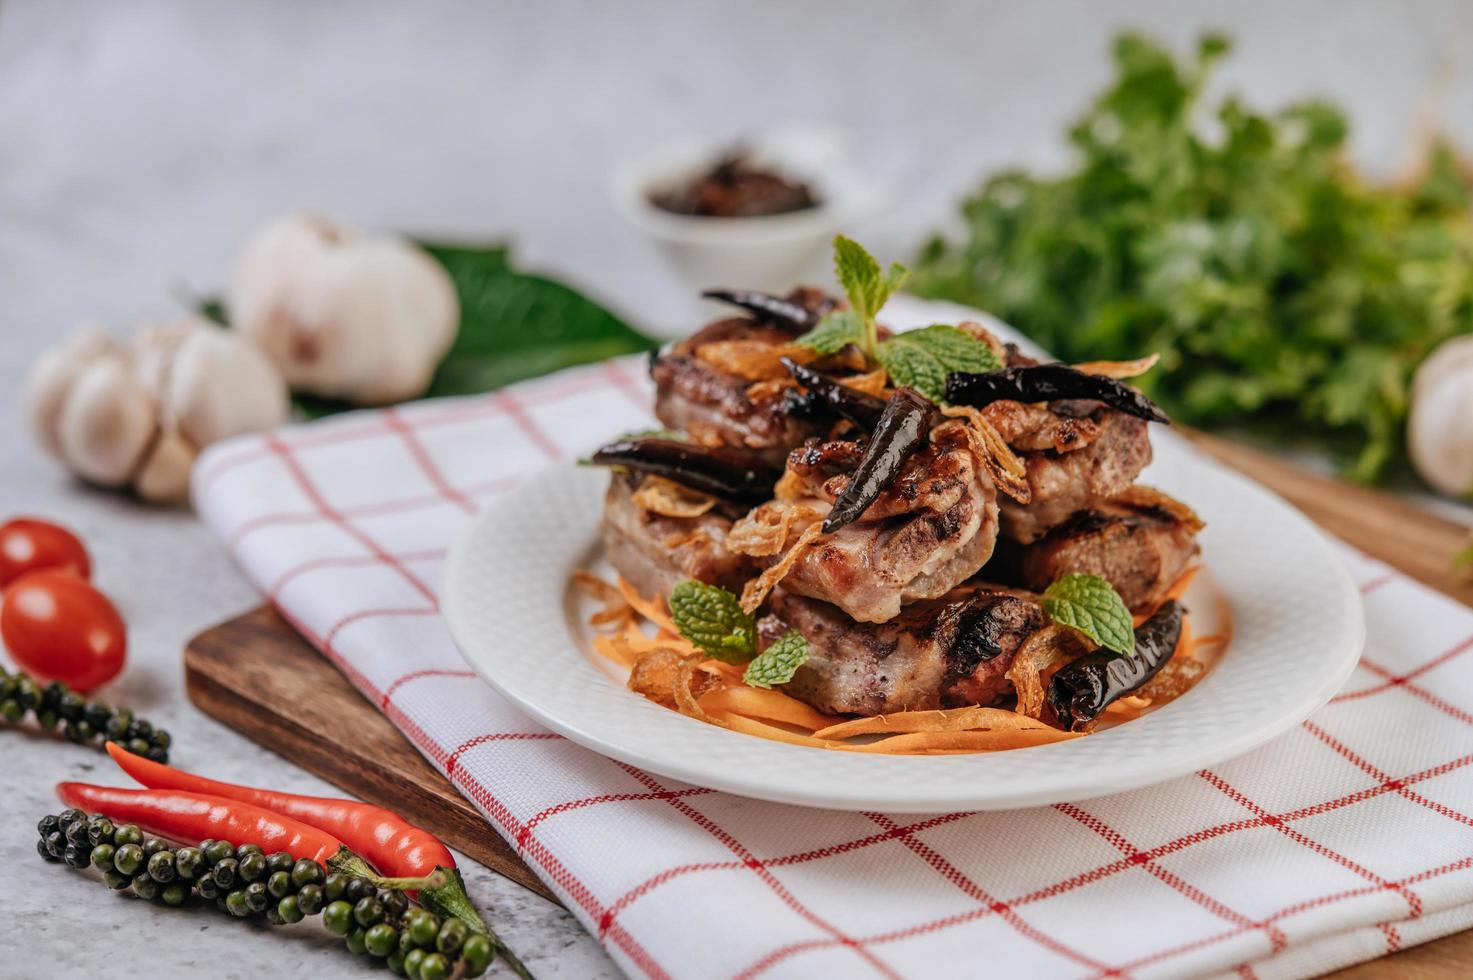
{"x": 895, "y": 277}
{"x": 834, "y": 332}
{"x": 778, "y": 663}
{"x": 923, "y": 358}
{"x": 859, "y": 275}
{"x": 910, "y": 364}
{"x": 712, "y": 619}
{"x": 866, "y": 286}
{"x": 1091, "y": 605}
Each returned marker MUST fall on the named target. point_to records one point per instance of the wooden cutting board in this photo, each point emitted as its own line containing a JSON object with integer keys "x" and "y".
{"x": 257, "y": 675}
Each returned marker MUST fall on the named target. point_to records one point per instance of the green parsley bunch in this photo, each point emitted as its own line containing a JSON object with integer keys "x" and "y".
{"x": 1284, "y": 293}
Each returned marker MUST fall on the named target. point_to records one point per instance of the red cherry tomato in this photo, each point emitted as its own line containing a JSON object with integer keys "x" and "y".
{"x": 27, "y": 545}
{"x": 59, "y": 627}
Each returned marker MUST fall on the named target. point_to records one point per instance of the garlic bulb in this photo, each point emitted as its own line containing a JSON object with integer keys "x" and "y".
{"x": 137, "y": 417}
{"x": 1440, "y": 428}
{"x": 366, "y": 318}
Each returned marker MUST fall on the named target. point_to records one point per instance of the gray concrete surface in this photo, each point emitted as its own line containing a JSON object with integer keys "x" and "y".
{"x": 139, "y": 142}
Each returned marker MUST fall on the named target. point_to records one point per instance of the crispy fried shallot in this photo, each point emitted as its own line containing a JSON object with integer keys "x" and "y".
{"x": 763, "y": 532}
{"x": 756, "y": 590}
{"x": 667, "y": 498}
{"x": 1040, "y": 655}
{"x": 1119, "y": 370}
{"x": 1008, "y": 471}
{"x": 752, "y": 360}
{"x": 615, "y": 607}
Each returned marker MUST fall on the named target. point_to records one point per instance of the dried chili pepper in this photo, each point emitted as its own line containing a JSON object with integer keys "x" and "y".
{"x": 900, "y": 430}
{"x": 729, "y": 473}
{"x": 839, "y": 399}
{"x": 776, "y": 310}
{"x": 1048, "y": 382}
{"x": 1081, "y": 690}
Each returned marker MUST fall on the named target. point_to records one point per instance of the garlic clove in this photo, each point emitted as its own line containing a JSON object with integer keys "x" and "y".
{"x": 220, "y": 385}
{"x": 52, "y": 375}
{"x": 1440, "y": 426}
{"x": 164, "y": 476}
{"x": 366, "y": 318}
{"x": 106, "y": 422}
{"x": 155, "y": 349}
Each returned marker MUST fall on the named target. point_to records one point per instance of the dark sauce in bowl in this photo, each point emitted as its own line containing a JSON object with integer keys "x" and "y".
{"x": 735, "y": 188}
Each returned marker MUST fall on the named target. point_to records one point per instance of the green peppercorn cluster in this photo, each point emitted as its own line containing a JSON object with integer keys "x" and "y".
{"x": 245, "y": 882}
{"x": 82, "y": 721}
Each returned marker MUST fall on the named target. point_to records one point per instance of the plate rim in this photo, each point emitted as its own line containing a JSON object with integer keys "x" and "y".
{"x": 691, "y": 767}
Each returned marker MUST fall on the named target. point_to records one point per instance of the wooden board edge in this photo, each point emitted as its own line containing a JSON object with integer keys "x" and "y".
{"x": 466, "y": 830}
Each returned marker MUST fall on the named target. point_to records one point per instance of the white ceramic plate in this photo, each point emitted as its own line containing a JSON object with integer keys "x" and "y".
{"x": 1297, "y": 633}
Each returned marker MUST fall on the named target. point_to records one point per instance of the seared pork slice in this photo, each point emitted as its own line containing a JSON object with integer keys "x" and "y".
{"x": 939, "y": 653}
{"x": 697, "y": 390}
{"x": 1078, "y": 454}
{"x": 1140, "y": 542}
{"x": 653, "y": 552}
{"x": 930, "y": 530}
{"x": 714, "y": 407}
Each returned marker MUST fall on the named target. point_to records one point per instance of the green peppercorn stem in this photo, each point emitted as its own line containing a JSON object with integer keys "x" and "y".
{"x": 244, "y": 883}
{"x": 442, "y": 891}
{"x": 82, "y": 721}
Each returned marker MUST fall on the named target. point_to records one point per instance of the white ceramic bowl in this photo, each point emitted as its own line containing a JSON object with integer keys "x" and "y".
{"x": 768, "y": 253}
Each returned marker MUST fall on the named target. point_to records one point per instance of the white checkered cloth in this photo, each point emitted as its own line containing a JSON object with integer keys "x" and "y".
{"x": 1343, "y": 840}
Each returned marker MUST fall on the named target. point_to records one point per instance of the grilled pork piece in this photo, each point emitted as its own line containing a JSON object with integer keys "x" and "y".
{"x": 928, "y": 531}
{"x": 939, "y": 653}
{"x": 1140, "y": 542}
{"x": 653, "y": 552}
{"x": 697, "y": 395}
{"x": 1078, "y": 454}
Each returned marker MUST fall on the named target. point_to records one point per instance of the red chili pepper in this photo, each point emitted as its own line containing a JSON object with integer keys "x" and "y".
{"x": 193, "y": 817}
{"x": 386, "y": 840}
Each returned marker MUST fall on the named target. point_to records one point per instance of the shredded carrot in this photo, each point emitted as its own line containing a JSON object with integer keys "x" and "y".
{"x": 1129, "y": 708}
{"x": 754, "y": 702}
{"x": 938, "y": 720}
{"x": 647, "y": 608}
{"x": 984, "y": 740}
{"x": 1177, "y": 590}
{"x": 745, "y": 725}
{"x": 614, "y": 608}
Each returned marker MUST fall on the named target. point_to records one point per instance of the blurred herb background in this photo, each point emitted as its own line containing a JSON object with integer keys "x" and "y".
{"x": 1285, "y": 293}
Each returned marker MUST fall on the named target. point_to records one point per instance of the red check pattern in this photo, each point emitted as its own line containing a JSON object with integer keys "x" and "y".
{"x": 1346, "y": 839}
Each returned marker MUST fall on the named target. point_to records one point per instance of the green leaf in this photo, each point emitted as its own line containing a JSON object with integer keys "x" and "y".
{"x": 712, "y": 619}
{"x": 923, "y": 358}
{"x": 859, "y": 275}
{"x": 1091, "y": 605}
{"x": 778, "y": 663}
{"x": 1288, "y": 294}
{"x": 895, "y": 277}
{"x": 516, "y": 325}
{"x": 834, "y": 332}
